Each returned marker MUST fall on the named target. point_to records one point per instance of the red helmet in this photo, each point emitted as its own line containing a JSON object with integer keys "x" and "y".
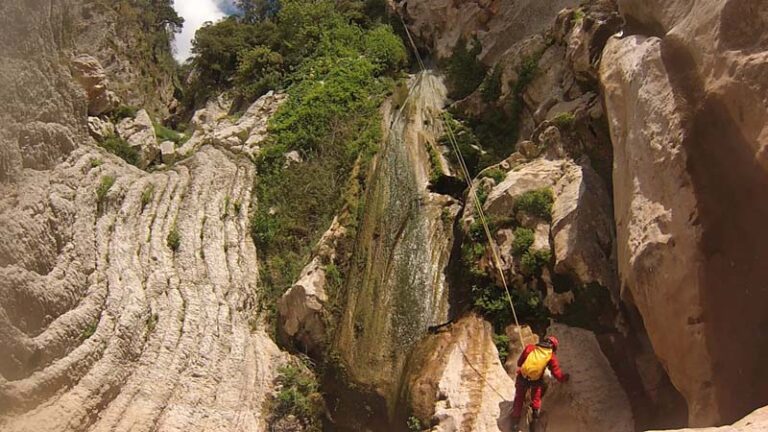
{"x": 553, "y": 341}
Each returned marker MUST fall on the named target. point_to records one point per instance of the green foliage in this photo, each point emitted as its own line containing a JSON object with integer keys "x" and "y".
{"x": 497, "y": 174}
{"x": 468, "y": 144}
{"x": 106, "y": 184}
{"x": 96, "y": 162}
{"x": 152, "y": 322}
{"x": 299, "y": 395}
{"x": 237, "y": 206}
{"x": 532, "y": 262}
{"x": 331, "y": 118}
{"x": 89, "y": 331}
{"x": 464, "y": 72}
{"x": 165, "y": 134}
{"x": 524, "y": 239}
{"x": 578, "y": 15}
{"x": 490, "y": 90}
{"x": 120, "y": 147}
{"x": 435, "y": 164}
{"x": 502, "y": 345}
{"x": 564, "y": 120}
{"x": 123, "y": 111}
{"x": 173, "y": 240}
{"x": 147, "y": 194}
{"x": 536, "y": 203}
{"x": 259, "y": 70}
{"x": 414, "y": 424}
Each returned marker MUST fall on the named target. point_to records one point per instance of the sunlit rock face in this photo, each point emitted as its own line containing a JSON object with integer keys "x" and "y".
{"x": 685, "y": 93}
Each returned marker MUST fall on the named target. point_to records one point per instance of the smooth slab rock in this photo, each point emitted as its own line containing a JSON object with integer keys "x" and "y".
{"x": 593, "y": 400}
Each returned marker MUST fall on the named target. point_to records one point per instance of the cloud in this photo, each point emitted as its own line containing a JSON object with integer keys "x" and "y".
{"x": 195, "y": 14}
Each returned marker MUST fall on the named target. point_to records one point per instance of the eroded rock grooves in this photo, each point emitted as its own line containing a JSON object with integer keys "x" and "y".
{"x": 121, "y": 332}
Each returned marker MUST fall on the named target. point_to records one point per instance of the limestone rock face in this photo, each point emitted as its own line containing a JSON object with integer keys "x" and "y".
{"x": 98, "y": 314}
{"x": 139, "y": 132}
{"x": 498, "y": 24}
{"x": 686, "y": 99}
{"x": 458, "y": 383}
{"x": 91, "y": 76}
{"x": 41, "y": 104}
{"x": 244, "y": 135}
{"x": 593, "y": 399}
{"x": 100, "y": 129}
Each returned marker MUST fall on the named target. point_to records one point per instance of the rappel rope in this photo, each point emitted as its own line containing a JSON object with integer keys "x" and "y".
{"x": 472, "y": 192}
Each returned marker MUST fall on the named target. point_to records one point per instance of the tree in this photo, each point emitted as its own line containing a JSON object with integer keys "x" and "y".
{"x": 258, "y": 10}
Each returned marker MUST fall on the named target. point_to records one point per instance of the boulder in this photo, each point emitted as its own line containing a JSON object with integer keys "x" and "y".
{"x": 139, "y": 132}
{"x": 168, "y": 152}
{"x": 457, "y": 382}
{"x": 91, "y": 76}
{"x": 100, "y": 129}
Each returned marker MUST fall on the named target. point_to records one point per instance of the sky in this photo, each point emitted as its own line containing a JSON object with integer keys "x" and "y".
{"x": 195, "y": 14}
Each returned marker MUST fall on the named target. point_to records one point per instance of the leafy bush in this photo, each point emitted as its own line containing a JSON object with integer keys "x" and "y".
{"x": 96, "y": 162}
{"x": 564, "y": 120}
{"x": 414, "y": 424}
{"x": 497, "y": 174}
{"x": 532, "y": 262}
{"x": 147, "y": 194}
{"x": 165, "y": 134}
{"x": 491, "y": 87}
{"x": 468, "y": 144}
{"x": 524, "y": 239}
{"x": 502, "y": 345}
{"x": 464, "y": 72}
{"x": 120, "y": 147}
{"x": 299, "y": 395}
{"x": 123, "y": 111}
{"x": 536, "y": 203}
{"x": 173, "y": 240}
{"x": 259, "y": 70}
{"x": 106, "y": 184}
{"x": 385, "y": 50}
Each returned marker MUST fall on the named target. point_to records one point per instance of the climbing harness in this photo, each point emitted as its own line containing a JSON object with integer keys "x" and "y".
{"x": 472, "y": 192}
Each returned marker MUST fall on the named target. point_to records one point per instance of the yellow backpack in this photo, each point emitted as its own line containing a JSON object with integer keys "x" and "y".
{"x": 536, "y": 362}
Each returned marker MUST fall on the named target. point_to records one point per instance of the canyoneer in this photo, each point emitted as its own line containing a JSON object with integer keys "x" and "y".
{"x": 533, "y": 361}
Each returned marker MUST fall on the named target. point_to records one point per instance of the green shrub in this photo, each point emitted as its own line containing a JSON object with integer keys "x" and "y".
{"x": 564, "y": 120}
{"x": 464, "y": 72}
{"x": 147, "y": 194}
{"x": 536, "y": 203}
{"x": 106, "y": 184}
{"x": 435, "y": 164}
{"x": 166, "y": 134}
{"x": 490, "y": 90}
{"x": 532, "y": 262}
{"x": 120, "y": 147}
{"x": 524, "y": 239}
{"x": 96, "y": 162}
{"x": 299, "y": 395}
{"x": 468, "y": 143}
{"x": 173, "y": 240}
{"x": 89, "y": 331}
{"x": 502, "y": 345}
{"x": 497, "y": 174}
{"x": 123, "y": 111}
{"x": 578, "y": 15}
{"x": 384, "y": 49}
{"x": 414, "y": 424}
{"x": 259, "y": 70}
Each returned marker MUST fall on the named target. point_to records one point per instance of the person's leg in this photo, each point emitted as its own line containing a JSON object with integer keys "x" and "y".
{"x": 536, "y": 392}
{"x": 521, "y": 388}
